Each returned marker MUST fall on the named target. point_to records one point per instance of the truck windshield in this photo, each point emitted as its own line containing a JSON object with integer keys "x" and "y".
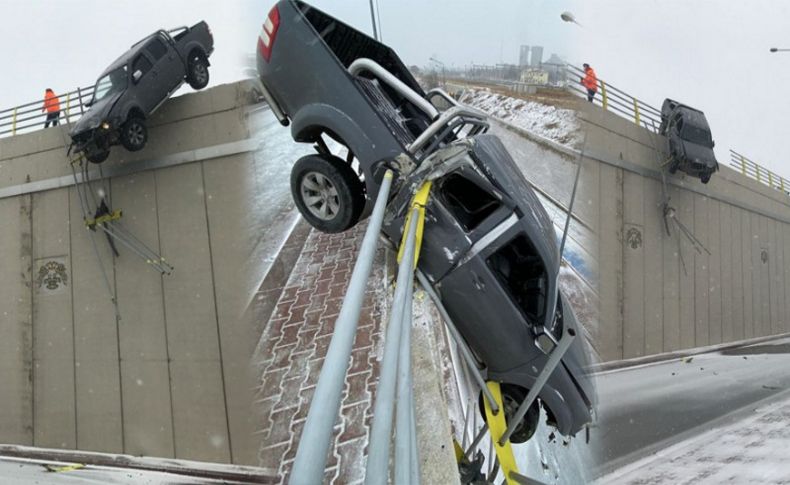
{"x": 110, "y": 83}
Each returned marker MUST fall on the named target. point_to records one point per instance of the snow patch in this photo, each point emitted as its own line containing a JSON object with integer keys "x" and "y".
{"x": 557, "y": 124}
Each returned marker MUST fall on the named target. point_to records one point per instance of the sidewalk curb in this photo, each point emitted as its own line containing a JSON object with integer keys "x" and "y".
{"x": 196, "y": 469}
{"x": 679, "y": 354}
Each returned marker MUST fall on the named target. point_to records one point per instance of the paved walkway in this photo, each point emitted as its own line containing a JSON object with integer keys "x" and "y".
{"x": 293, "y": 347}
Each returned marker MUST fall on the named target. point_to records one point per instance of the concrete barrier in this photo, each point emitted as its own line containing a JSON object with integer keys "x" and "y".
{"x": 170, "y": 378}
{"x": 649, "y": 303}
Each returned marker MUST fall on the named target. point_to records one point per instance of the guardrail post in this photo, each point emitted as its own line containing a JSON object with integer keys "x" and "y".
{"x": 757, "y": 168}
{"x": 743, "y": 165}
{"x": 79, "y": 94}
{"x": 636, "y": 112}
{"x": 770, "y": 179}
{"x": 316, "y": 436}
{"x": 604, "y": 97}
{"x": 68, "y": 106}
{"x": 782, "y": 184}
{"x": 13, "y": 123}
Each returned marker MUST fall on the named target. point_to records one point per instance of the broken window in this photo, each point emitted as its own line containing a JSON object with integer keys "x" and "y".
{"x": 467, "y": 201}
{"x": 518, "y": 265}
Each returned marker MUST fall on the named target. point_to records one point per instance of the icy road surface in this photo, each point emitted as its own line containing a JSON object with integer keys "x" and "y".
{"x": 752, "y": 450}
{"x": 650, "y": 407}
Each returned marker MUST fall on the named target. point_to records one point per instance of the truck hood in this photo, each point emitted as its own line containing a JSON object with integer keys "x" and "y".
{"x": 95, "y": 115}
{"x": 699, "y": 154}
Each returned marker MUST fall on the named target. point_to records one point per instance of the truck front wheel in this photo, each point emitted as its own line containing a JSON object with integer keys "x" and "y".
{"x": 327, "y": 192}
{"x": 197, "y": 74}
{"x": 134, "y": 134}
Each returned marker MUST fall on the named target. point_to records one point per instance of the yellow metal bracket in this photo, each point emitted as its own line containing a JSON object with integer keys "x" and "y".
{"x": 112, "y": 216}
{"x": 419, "y": 201}
{"x": 496, "y": 428}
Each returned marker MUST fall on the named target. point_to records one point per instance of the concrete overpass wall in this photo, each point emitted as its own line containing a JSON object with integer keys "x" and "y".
{"x": 170, "y": 377}
{"x": 649, "y": 303}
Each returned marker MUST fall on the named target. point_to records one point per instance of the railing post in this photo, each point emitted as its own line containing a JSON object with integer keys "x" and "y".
{"x": 782, "y": 184}
{"x": 636, "y": 112}
{"x": 770, "y": 179}
{"x": 757, "y": 169}
{"x": 308, "y": 468}
{"x": 13, "y": 123}
{"x": 604, "y": 97}
{"x": 743, "y": 165}
{"x": 68, "y": 106}
{"x": 79, "y": 94}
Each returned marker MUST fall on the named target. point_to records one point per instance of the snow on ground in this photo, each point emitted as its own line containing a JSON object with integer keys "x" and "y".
{"x": 557, "y": 124}
{"x": 753, "y": 450}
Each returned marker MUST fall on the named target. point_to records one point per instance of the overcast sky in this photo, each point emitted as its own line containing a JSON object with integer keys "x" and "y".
{"x": 710, "y": 54}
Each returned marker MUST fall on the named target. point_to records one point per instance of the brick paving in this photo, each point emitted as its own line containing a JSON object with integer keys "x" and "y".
{"x": 293, "y": 347}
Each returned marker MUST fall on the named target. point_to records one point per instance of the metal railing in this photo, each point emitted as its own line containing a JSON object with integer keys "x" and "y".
{"x": 311, "y": 455}
{"x": 616, "y": 100}
{"x": 29, "y": 116}
{"x": 761, "y": 174}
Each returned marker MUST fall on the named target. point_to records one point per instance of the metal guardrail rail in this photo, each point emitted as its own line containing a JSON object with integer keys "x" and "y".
{"x": 29, "y": 116}
{"x": 616, "y": 100}
{"x": 613, "y": 99}
{"x": 761, "y": 174}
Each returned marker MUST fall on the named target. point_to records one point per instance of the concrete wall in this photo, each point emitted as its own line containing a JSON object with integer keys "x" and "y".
{"x": 649, "y": 303}
{"x": 169, "y": 376}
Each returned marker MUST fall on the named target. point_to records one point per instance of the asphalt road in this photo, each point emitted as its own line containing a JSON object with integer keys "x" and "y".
{"x": 650, "y": 407}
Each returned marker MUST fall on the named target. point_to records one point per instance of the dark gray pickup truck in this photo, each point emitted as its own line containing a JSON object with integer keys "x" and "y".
{"x": 489, "y": 249}
{"x": 136, "y": 84}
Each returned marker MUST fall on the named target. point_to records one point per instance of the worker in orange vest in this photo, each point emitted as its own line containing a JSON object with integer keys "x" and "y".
{"x": 52, "y": 107}
{"x": 590, "y": 81}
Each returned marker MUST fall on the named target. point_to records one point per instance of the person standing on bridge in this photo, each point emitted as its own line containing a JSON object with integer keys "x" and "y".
{"x": 590, "y": 81}
{"x": 52, "y": 107}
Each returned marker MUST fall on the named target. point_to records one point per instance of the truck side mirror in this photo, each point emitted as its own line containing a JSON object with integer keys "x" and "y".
{"x": 137, "y": 75}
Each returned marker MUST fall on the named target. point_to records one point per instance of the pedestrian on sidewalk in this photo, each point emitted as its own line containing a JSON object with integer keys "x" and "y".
{"x": 590, "y": 81}
{"x": 52, "y": 107}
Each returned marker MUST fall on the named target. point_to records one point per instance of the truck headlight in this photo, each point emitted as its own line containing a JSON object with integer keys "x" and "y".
{"x": 105, "y": 125}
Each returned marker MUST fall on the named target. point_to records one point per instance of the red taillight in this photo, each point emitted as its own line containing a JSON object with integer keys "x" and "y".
{"x": 268, "y": 33}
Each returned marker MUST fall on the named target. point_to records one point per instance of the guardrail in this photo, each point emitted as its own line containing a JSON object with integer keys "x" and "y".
{"x": 616, "y": 100}
{"x": 761, "y": 174}
{"x": 29, "y": 116}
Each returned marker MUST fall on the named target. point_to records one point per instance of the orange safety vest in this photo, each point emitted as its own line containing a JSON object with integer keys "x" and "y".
{"x": 590, "y": 81}
{"x": 51, "y": 102}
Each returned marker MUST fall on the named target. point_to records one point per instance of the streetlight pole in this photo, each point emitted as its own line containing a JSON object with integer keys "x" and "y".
{"x": 373, "y": 21}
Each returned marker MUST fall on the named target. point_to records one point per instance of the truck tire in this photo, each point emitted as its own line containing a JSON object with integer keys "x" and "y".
{"x": 512, "y": 397}
{"x": 197, "y": 72}
{"x": 327, "y": 192}
{"x": 134, "y": 134}
{"x": 97, "y": 155}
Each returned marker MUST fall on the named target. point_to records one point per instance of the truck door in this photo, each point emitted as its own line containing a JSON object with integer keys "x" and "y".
{"x": 167, "y": 71}
{"x": 142, "y": 79}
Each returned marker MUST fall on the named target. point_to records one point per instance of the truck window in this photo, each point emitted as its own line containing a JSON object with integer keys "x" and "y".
{"x": 519, "y": 267}
{"x": 142, "y": 64}
{"x": 467, "y": 201}
{"x": 156, "y": 48}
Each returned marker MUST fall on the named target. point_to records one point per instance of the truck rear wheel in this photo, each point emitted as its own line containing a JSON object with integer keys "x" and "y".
{"x": 97, "y": 155}
{"x": 327, "y": 192}
{"x": 197, "y": 74}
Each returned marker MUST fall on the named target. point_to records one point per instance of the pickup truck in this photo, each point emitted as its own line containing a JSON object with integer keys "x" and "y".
{"x": 489, "y": 249}
{"x": 136, "y": 84}
{"x": 689, "y": 140}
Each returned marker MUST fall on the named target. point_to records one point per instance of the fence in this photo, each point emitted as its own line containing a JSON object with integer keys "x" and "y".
{"x": 762, "y": 175}
{"x": 28, "y": 117}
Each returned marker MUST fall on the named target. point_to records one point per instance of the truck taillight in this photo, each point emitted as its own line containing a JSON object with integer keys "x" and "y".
{"x": 268, "y": 33}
